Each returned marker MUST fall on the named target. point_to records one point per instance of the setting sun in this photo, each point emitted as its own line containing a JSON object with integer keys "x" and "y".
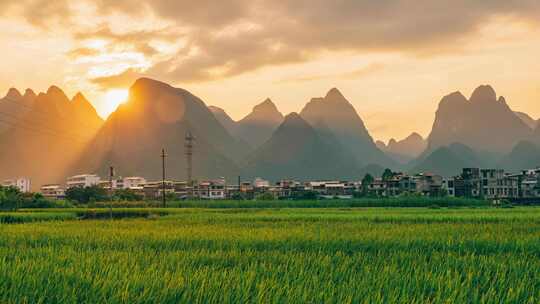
{"x": 113, "y": 98}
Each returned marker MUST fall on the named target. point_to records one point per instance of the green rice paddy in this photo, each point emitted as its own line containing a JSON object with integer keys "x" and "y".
{"x": 315, "y": 255}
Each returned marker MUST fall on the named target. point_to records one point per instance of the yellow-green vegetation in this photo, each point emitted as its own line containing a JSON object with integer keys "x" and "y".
{"x": 394, "y": 255}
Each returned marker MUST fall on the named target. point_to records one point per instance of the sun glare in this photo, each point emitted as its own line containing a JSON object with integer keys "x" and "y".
{"x": 113, "y": 98}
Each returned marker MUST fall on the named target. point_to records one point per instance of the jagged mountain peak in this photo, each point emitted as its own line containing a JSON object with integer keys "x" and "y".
{"x": 57, "y": 94}
{"x": 484, "y": 93}
{"x": 29, "y": 94}
{"x": 84, "y": 107}
{"x": 334, "y": 95}
{"x": 79, "y": 98}
{"x": 415, "y": 135}
{"x": 455, "y": 99}
{"x": 267, "y": 107}
{"x": 13, "y": 93}
{"x": 294, "y": 118}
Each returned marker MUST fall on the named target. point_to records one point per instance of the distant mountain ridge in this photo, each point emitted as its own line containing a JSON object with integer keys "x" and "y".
{"x": 297, "y": 151}
{"x": 13, "y": 106}
{"x": 335, "y": 114}
{"x": 158, "y": 116}
{"x": 528, "y": 120}
{"x": 46, "y": 135}
{"x": 473, "y": 122}
{"x": 406, "y": 149}
{"x": 326, "y": 140}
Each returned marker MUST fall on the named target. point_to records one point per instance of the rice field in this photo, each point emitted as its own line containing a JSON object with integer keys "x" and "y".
{"x": 358, "y": 255}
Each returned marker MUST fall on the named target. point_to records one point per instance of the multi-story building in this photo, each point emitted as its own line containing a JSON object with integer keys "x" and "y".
{"x": 133, "y": 182}
{"x": 468, "y": 184}
{"x": 448, "y": 186}
{"x": 331, "y": 189}
{"x": 53, "y": 191}
{"x": 83, "y": 180}
{"x": 22, "y": 183}
{"x": 497, "y": 184}
{"x": 261, "y": 183}
{"x": 212, "y": 189}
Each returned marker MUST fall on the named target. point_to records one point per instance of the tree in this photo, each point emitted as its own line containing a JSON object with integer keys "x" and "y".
{"x": 366, "y": 182}
{"x": 305, "y": 195}
{"x": 10, "y": 198}
{"x": 86, "y": 194}
{"x": 127, "y": 195}
{"x": 387, "y": 174}
{"x": 266, "y": 196}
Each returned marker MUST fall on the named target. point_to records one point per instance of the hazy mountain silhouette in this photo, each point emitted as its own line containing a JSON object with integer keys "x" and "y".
{"x": 448, "y": 160}
{"x": 47, "y": 137}
{"x": 224, "y": 119}
{"x": 257, "y": 127}
{"x": 528, "y": 120}
{"x": 296, "y": 150}
{"x": 406, "y": 149}
{"x": 483, "y": 123}
{"x": 14, "y": 106}
{"x": 341, "y": 119}
{"x": 158, "y": 116}
{"x": 525, "y": 155}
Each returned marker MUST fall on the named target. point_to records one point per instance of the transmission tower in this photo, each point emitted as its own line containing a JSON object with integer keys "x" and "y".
{"x": 189, "y": 140}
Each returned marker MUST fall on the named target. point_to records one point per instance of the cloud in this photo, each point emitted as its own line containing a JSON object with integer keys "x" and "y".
{"x": 227, "y": 38}
{"x": 354, "y": 74}
{"x": 82, "y": 52}
{"x": 119, "y": 81}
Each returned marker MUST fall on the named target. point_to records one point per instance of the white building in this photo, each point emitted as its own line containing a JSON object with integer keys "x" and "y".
{"x": 83, "y": 180}
{"x": 214, "y": 189}
{"x": 53, "y": 191}
{"x": 133, "y": 182}
{"x": 261, "y": 183}
{"x": 22, "y": 183}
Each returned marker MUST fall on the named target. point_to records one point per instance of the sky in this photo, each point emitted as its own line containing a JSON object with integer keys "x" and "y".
{"x": 392, "y": 59}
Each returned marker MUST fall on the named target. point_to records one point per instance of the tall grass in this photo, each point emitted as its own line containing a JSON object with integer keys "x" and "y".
{"x": 395, "y": 255}
{"x": 350, "y": 203}
{"x": 18, "y": 217}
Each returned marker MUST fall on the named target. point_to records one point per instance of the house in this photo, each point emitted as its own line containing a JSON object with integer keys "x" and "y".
{"x": 133, "y": 182}
{"x": 497, "y": 184}
{"x": 428, "y": 184}
{"x": 53, "y": 191}
{"x": 22, "y": 183}
{"x": 153, "y": 190}
{"x": 261, "y": 183}
{"x": 331, "y": 189}
{"x": 212, "y": 189}
{"x": 468, "y": 183}
{"x": 82, "y": 181}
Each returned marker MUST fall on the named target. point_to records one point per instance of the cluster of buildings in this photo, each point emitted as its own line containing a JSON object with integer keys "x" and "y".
{"x": 495, "y": 184}
{"x": 472, "y": 183}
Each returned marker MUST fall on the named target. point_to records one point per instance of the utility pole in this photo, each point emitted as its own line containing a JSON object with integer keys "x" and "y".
{"x": 239, "y": 186}
{"x": 111, "y": 174}
{"x": 163, "y": 155}
{"x": 189, "y": 139}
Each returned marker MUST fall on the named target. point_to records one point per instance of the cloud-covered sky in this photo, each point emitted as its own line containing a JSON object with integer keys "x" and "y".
{"x": 393, "y": 59}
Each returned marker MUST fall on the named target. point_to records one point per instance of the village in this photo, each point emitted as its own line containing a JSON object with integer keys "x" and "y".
{"x": 492, "y": 184}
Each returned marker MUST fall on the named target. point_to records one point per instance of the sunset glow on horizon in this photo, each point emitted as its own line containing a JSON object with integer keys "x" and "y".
{"x": 115, "y": 97}
{"x": 236, "y": 54}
